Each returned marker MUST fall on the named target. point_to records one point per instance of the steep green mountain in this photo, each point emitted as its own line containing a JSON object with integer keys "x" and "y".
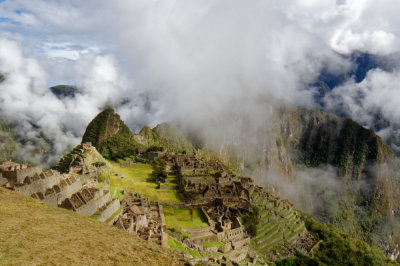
{"x": 165, "y": 135}
{"x": 111, "y": 137}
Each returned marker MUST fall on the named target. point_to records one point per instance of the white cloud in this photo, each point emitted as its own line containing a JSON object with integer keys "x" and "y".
{"x": 379, "y": 92}
{"x": 182, "y": 59}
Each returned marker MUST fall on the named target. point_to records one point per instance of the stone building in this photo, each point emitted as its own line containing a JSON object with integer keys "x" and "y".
{"x": 144, "y": 218}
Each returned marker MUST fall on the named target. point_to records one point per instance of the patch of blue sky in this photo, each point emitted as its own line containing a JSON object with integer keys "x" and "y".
{"x": 8, "y": 20}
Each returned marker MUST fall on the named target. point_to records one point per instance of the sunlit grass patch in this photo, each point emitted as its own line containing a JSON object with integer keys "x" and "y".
{"x": 179, "y": 219}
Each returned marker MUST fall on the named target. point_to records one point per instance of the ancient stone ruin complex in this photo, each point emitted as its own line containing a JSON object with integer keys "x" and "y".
{"x": 202, "y": 182}
{"x": 223, "y": 197}
{"x": 208, "y": 186}
{"x": 71, "y": 191}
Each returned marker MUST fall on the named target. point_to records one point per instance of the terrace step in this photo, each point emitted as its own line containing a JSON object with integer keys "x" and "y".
{"x": 199, "y": 232}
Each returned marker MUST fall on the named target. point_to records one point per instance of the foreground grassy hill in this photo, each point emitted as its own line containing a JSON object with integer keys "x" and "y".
{"x": 32, "y": 232}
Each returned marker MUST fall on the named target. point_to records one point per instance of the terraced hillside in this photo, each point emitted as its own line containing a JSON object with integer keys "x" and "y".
{"x": 279, "y": 226}
{"x": 34, "y": 233}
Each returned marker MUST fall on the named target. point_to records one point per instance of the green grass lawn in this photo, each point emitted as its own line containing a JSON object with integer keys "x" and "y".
{"x": 146, "y": 188}
{"x": 178, "y": 219}
{"x": 139, "y": 171}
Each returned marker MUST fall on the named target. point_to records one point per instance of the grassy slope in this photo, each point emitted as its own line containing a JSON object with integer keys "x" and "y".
{"x": 32, "y": 232}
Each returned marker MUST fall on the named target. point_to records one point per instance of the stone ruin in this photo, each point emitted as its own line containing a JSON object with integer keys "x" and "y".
{"x": 226, "y": 223}
{"x": 144, "y": 218}
{"x": 62, "y": 190}
{"x": 206, "y": 182}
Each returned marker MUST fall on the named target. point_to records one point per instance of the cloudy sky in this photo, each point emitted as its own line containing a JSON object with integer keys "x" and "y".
{"x": 189, "y": 60}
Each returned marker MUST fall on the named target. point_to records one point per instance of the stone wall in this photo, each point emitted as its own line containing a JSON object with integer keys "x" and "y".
{"x": 41, "y": 183}
{"x": 94, "y": 204}
{"x": 65, "y": 192}
{"x": 110, "y": 210}
{"x": 18, "y": 176}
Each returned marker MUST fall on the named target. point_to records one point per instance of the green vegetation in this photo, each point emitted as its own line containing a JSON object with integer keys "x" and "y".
{"x": 159, "y": 174}
{"x": 250, "y": 221}
{"x": 336, "y": 248}
{"x": 34, "y": 233}
{"x": 99, "y": 164}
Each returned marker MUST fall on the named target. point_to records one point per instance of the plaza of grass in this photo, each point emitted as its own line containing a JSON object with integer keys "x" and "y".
{"x": 139, "y": 179}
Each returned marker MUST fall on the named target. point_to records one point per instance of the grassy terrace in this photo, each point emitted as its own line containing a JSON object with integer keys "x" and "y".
{"x": 146, "y": 188}
{"x": 34, "y": 233}
{"x": 178, "y": 219}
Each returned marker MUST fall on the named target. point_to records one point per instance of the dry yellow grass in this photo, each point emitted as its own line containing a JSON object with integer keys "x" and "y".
{"x": 34, "y": 233}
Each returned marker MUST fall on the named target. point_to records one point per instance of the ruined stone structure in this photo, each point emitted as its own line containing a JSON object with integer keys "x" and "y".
{"x": 62, "y": 190}
{"x": 144, "y": 218}
{"x": 227, "y": 225}
{"x": 202, "y": 183}
{"x": 90, "y": 201}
